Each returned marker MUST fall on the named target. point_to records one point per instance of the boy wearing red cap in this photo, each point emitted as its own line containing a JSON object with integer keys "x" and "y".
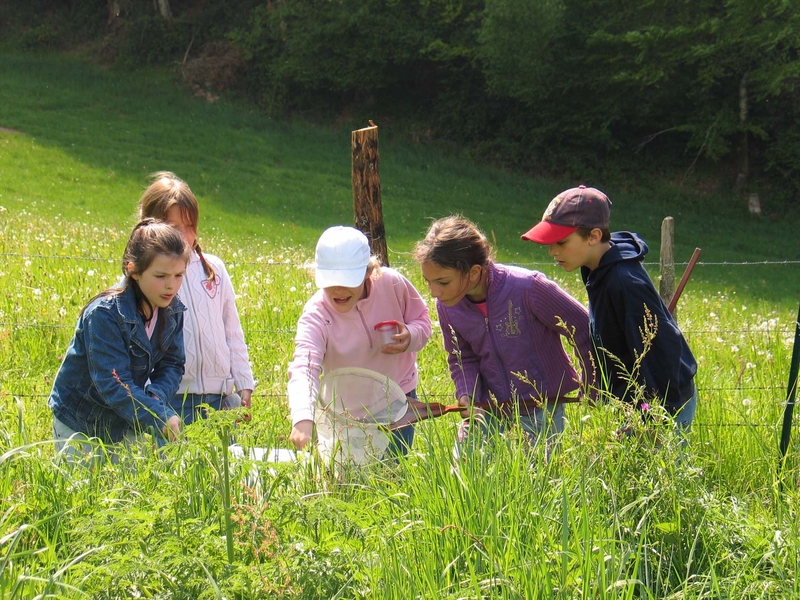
{"x": 622, "y": 301}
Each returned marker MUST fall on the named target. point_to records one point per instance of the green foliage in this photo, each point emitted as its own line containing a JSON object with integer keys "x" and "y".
{"x": 327, "y": 55}
{"x": 517, "y": 45}
{"x": 151, "y": 39}
{"x": 43, "y": 37}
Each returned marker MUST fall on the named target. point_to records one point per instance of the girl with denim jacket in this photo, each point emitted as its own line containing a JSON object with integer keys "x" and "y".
{"x": 217, "y": 360}
{"x": 503, "y": 328}
{"x": 126, "y": 357}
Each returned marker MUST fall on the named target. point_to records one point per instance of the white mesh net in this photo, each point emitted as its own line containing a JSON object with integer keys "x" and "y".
{"x": 352, "y": 410}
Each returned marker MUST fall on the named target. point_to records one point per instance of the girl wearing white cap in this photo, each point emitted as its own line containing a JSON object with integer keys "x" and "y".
{"x": 337, "y": 327}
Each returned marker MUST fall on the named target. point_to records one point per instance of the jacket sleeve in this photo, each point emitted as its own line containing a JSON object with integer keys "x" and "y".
{"x": 463, "y": 362}
{"x": 306, "y": 367}
{"x": 241, "y": 371}
{"x": 562, "y": 313}
{"x": 415, "y": 315}
{"x": 106, "y": 345}
{"x": 652, "y": 332}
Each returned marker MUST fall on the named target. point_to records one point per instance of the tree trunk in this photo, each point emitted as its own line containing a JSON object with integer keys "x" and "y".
{"x": 163, "y": 8}
{"x": 743, "y": 177}
{"x": 114, "y": 13}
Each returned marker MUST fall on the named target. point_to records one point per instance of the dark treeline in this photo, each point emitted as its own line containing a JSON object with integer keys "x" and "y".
{"x": 599, "y": 89}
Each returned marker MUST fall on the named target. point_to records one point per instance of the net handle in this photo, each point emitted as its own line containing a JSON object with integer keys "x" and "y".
{"x": 422, "y": 411}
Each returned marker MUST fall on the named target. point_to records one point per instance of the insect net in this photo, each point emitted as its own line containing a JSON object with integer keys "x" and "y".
{"x": 353, "y": 409}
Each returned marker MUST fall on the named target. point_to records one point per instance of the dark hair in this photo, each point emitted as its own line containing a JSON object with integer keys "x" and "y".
{"x": 166, "y": 191}
{"x": 149, "y": 239}
{"x": 585, "y": 232}
{"x": 454, "y": 242}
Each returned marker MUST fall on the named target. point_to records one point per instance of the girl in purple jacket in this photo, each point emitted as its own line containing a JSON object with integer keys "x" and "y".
{"x": 503, "y": 329}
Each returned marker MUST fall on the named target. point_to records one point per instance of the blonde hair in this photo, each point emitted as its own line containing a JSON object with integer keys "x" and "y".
{"x": 165, "y": 192}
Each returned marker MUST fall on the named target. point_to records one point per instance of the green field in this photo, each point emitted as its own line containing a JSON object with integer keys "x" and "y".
{"x": 602, "y": 519}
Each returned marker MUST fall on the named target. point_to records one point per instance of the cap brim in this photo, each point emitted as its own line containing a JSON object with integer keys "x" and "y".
{"x": 349, "y": 278}
{"x": 548, "y": 233}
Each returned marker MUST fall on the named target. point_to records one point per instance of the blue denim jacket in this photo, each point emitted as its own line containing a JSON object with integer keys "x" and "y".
{"x": 113, "y": 377}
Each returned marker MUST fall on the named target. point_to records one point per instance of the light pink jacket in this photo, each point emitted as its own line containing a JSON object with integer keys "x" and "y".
{"x": 328, "y": 340}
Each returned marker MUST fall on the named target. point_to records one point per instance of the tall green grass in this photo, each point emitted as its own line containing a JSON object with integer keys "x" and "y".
{"x": 603, "y": 518}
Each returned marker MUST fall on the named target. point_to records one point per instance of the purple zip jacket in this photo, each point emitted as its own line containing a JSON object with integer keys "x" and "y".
{"x": 520, "y": 335}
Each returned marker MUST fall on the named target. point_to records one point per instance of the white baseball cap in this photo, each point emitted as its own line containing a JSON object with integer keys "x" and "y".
{"x": 342, "y": 257}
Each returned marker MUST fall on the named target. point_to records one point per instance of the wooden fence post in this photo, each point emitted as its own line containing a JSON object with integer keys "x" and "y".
{"x": 666, "y": 285}
{"x": 367, "y": 190}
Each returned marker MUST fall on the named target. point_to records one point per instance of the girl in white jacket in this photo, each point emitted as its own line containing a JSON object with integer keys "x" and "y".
{"x": 217, "y": 360}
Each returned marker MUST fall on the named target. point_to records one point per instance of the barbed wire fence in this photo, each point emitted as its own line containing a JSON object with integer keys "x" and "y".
{"x": 778, "y": 390}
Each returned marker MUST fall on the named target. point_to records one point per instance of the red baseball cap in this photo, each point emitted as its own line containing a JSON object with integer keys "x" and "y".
{"x": 576, "y": 207}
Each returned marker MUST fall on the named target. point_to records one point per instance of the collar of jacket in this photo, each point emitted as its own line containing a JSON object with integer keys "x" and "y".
{"x": 125, "y": 303}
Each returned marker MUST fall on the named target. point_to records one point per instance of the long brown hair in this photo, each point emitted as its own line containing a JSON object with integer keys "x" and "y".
{"x": 454, "y": 242}
{"x": 149, "y": 239}
{"x": 166, "y": 191}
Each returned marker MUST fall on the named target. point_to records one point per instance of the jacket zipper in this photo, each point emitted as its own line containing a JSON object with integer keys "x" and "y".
{"x": 197, "y": 344}
{"x": 498, "y": 356}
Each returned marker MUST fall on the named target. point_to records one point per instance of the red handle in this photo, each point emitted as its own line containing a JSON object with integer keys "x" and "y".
{"x": 421, "y": 411}
{"x": 689, "y": 268}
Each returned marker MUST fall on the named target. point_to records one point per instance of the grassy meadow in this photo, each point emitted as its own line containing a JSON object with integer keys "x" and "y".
{"x": 603, "y": 518}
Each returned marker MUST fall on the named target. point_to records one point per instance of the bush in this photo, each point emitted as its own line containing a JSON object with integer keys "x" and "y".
{"x": 42, "y": 37}
{"x": 151, "y": 39}
{"x": 218, "y": 68}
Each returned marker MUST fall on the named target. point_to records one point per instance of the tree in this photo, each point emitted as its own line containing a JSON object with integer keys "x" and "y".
{"x": 732, "y": 59}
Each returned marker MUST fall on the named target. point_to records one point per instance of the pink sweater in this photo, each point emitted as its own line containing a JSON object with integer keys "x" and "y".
{"x": 328, "y": 340}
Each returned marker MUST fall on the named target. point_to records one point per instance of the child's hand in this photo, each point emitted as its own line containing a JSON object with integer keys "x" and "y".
{"x": 402, "y": 340}
{"x": 172, "y": 430}
{"x": 301, "y": 434}
{"x": 246, "y": 403}
{"x": 469, "y": 410}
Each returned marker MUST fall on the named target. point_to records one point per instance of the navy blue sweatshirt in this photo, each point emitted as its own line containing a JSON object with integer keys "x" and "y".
{"x": 620, "y": 296}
